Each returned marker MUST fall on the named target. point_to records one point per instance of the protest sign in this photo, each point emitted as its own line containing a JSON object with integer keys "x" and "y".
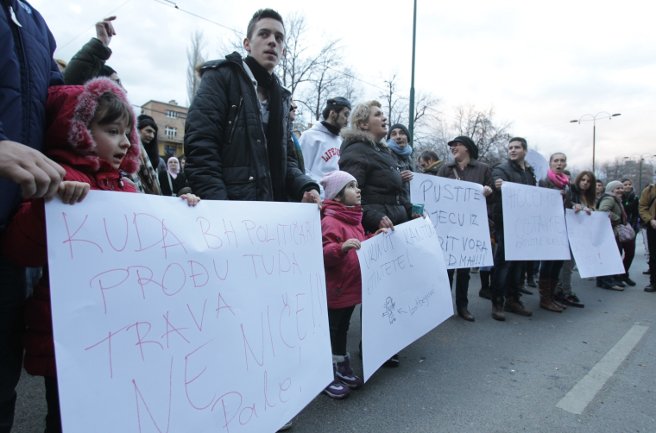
{"x": 405, "y": 290}
{"x": 175, "y": 319}
{"x": 533, "y": 223}
{"x": 458, "y": 211}
{"x": 593, "y": 244}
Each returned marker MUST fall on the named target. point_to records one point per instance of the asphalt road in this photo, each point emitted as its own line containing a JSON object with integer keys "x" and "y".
{"x": 522, "y": 375}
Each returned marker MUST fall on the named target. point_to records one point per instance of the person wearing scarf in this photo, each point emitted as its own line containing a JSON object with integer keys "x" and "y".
{"x": 173, "y": 179}
{"x": 398, "y": 140}
{"x": 237, "y": 135}
{"x": 550, "y": 269}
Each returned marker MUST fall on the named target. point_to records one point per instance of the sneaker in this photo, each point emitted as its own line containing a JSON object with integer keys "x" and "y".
{"x": 337, "y": 390}
{"x": 650, "y": 288}
{"x": 618, "y": 282}
{"x": 610, "y": 286}
{"x": 344, "y": 373}
{"x": 393, "y": 362}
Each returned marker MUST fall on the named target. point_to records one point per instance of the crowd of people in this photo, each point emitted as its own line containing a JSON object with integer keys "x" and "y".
{"x": 65, "y": 134}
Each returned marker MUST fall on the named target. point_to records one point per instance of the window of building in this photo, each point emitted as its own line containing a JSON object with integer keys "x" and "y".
{"x": 172, "y": 114}
{"x": 170, "y": 132}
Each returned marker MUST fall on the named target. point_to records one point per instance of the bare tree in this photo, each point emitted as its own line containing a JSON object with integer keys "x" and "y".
{"x": 195, "y": 59}
{"x": 300, "y": 65}
{"x": 392, "y": 101}
{"x": 490, "y": 137}
{"x": 325, "y": 83}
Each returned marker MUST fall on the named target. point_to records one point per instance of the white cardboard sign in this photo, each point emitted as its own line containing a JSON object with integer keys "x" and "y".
{"x": 593, "y": 244}
{"x": 176, "y": 319}
{"x": 458, "y": 211}
{"x": 405, "y": 290}
{"x": 533, "y": 223}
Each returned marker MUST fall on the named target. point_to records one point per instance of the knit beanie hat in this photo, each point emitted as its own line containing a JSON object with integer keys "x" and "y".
{"x": 398, "y": 126}
{"x": 334, "y": 182}
{"x": 468, "y": 143}
{"x": 612, "y": 185}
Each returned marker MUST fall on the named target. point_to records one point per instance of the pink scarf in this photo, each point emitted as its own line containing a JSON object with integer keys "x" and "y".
{"x": 558, "y": 179}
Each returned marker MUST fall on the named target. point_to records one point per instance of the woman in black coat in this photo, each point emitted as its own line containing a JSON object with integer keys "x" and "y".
{"x": 366, "y": 156}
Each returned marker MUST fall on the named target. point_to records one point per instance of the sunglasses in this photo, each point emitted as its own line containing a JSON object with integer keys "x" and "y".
{"x": 293, "y": 108}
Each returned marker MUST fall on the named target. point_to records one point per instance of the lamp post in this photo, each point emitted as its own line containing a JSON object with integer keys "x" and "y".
{"x": 593, "y": 119}
{"x": 641, "y": 158}
{"x": 411, "y": 117}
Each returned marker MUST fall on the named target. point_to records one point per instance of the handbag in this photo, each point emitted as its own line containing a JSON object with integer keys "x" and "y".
{"x": 624, "y": 232}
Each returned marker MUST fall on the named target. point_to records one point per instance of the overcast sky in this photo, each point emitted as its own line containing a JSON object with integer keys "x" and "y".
{"x": 539, "y": 65}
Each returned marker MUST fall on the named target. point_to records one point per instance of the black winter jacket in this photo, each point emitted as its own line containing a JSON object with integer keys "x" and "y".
{"x": 225, "y": 142}
{"x": 509, "y": 171}
{"x": 376, "y": 170}
{"x": 87, "y": 63}
{"x": 27, "y": 69}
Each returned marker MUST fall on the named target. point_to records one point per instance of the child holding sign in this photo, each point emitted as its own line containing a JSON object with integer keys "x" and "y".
{"x": 91, "y": 134}
{"x": 342, "y": 231}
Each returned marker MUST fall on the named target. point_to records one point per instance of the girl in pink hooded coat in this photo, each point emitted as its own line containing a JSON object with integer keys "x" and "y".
{"x": 342, "y": 231}
{"x": 91, "y": 134}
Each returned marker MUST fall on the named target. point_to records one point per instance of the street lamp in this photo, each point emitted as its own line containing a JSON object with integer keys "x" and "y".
{"x": 593, "y": 119}
{"x": 641, "y": 158}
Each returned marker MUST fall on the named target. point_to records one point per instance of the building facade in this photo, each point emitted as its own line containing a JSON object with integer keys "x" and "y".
{"x": 170, "y": 118}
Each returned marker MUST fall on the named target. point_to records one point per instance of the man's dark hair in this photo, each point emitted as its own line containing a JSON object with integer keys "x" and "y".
{"x": 259, "y": 15}
{"x": 521, "y": 140}
{"x": 428, "y": 155}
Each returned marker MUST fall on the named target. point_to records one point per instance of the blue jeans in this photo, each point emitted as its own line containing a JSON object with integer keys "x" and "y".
{"x": 12, "y": 302}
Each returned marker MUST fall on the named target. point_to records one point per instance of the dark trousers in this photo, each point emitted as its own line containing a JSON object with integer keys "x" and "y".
{"x": 550, "y": 269}
{"x": 53, "y": 417}
{"x": 339, "y": 320}
{"x": 629, "y": 252}
{"x": 506, "y": 278}
{"x": 12, "y": 302}
{"x": 462, "y": 286}
{"x": 651, "y": 244}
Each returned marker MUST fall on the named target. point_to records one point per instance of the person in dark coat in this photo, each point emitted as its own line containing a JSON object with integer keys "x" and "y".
{"x": 365, "y": 155}
{"x": 465, "y": 166}
{"x": 398, "y": 140}
{"x": 630, "y": 202}
{"x": 237, "y": 131}
{"x": 28, "y": 69}
{"x": 173, "y": 179}
{"x": 429, "y": 162}
{"x": 507, "y": 274}
{"x": 90, "y": 61}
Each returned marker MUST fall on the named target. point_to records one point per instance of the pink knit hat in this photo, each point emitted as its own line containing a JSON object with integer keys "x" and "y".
{"x": 334, "y": 182}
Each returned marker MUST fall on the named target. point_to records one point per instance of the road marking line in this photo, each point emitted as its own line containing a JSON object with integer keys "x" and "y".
{"x": 578, "y": 398}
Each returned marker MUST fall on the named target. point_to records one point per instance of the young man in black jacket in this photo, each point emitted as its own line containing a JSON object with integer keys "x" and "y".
{"x": 237, "y": 132}
{"x": 507, "y": 275}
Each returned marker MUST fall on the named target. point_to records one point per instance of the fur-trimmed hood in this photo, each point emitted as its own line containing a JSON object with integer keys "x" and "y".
{"x": 352, "y": 135}
{"x": 70, "y": 110}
